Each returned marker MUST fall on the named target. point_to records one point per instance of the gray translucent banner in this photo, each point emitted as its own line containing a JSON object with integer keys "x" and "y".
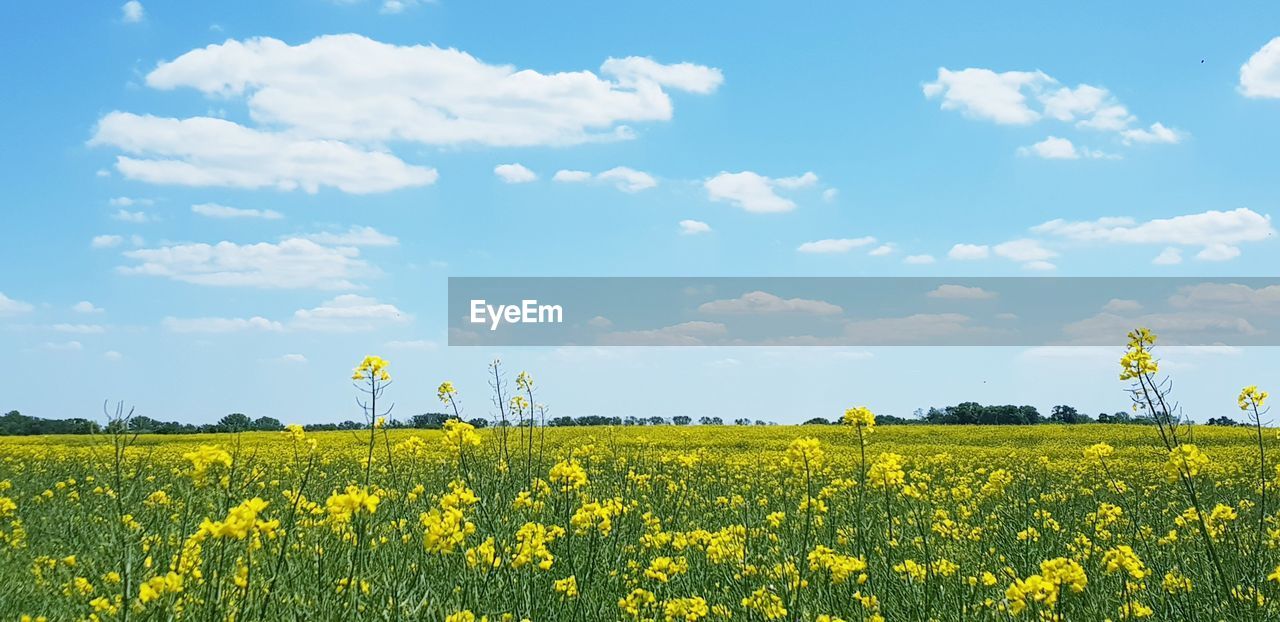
{"x": 860, "y": 311}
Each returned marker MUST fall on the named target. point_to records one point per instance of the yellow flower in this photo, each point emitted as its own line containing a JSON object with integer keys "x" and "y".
{"x": 1251, "y": 398}
{"x": 462, "y": 616}
{"x": 372, "y": 367}
{"x": 1123, "y": 559}
{"x": 805, "y": 454}
{"x": 342, "y": 507}
{"x": 206, "y": 458}
{"x": 635, "y": 602}
{"x": 766, "y": 603}
{"x": 459, "y": 434}
{"x": 569, "y": 475}
{"x": 1137, "y": 360}
{"x": 1175, "y": 582}
{"x": 1185, "y": 460}
{"x": 859, "y": 417}
{"x": 1100, "y": 451}
{"x": 661, "y": 569}
{"x": 446, "y": 392}
{"x": 567, "y": 586}
{"x": 689, "y": 609}
{"x": 295, "y": 432}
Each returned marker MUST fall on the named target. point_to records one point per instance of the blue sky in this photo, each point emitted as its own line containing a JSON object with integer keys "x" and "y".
{"x": 199, "y": 231}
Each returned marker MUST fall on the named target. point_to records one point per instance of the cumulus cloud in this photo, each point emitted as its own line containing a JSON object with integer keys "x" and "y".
{"x": 80, "y": 329}
{"x": 960, "y": 292}
{"x": 132, "y": 12}
{"x": 754, "y": 192}
{"x": 128, "y": 216}
{"x": 84, "y": 306}
{"x": 429, "y": 95}
{"x": 759, "y": 302}
{"x": 881, "y": 251}
{"x": 966, "y": 252}
{"x": 684, "y": 334}
{"x": 1055, "y": 148}
{"x": 514, "y": 173}
{"x": 1121, "y": 305}
{"x": 293, "y": 358}
{"x": 623, "y": 178}
{"x": 694, "y": 227}
{"x": 348, "y": 313}
{"x": 1028, "y": 97}
{"x": 1024, "y": 250}
{"x": 355, "y": 236}
{"x": 1170, "y": 256}
{"x": 214, "y": 210}
{"x": 1234, "y": 296}
{"x": 1217, "y": 232}
{"x": 9, "y": 306}
{"x": 916, "y": 328}
{"x": 204, "y": 151}
{"x": 840, "y": 245}
{"x": 105, "y": 241}
{"x": 295, "y": 263}
{"x": 1260, "y": 75}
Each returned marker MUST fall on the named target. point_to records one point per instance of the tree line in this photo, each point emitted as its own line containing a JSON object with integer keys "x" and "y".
{"x": 965, "y": 413}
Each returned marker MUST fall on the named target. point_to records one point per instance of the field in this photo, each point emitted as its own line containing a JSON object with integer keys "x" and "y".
{"x": 662, "y": 523}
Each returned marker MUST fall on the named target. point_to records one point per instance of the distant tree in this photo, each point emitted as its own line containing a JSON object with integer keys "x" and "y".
{"x": 479, "y": 422}
{"x": 741, "y": 422}
{"x": 656, "y": 420}
{"x": 428, "y": 421}
{"x": 681, "y": 420}
{"x": 710, "y": 421}
{"x": 267, "y": 424}
{"x": 235, "y": 422}
{"x": 1222, "y": 421}
{"x": 1067, "y": 414}
{"x": 351, "y": 425}
{"x": 818, "y": 421}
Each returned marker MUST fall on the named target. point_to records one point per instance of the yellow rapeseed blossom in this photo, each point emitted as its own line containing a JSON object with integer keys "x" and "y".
{"x": 859, "y": 417}
{"x": 372, "y": 367}
{"x": 1251, "y": 398}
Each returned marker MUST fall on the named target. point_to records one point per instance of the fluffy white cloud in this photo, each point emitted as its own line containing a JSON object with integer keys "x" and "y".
{"x": 1052, "y": 148}
{"x": 128, "y": 216}
{"x": 220, "y": 324}
{"x": 9, "y": 306}
{"x": 1039, "y": 265}
{"x": 840, "y": 245}
{"x": 1232, "y": 296}
{"x": 965, "y": 252}
{"x": 355, "y": 236}
{"x": 429, "y": 95}
{"x": 1218, "y": 252}
{"x": 570, "y": 176}
{"x": 917, "y": 328}
{"x": 293, "y": 358}
{"x": 105, "y": 241}
{"x": 132, "y": 12}
{"x": 348, "y": 313}
{"x": 128, "y": 202}
{"x": 693, "y": 227}
{"x": 1260, "y": 75}
{"x": 623, "y": 178}
{"x": 295, "y": 263}
{"x": 918, "y": 260}
{"x": 1170, "y": 256}
{"x": 1204, "y": 229}
{"x": 1120, "y": 305}
{"x": 514, "y": 173}
{"x": 758, "y": 302}
{"x": 84, "y": 306}
{"x": 213, "y": 210}
{"x": 683, "y": 334}
{"x": 1026, "y": 97}
{"x": 112, "y": 355}
{"x": 754, "y": 192}
{"x": 960, "y": 292}
{"x": 204, "y": 151}
{"x": 881, "y": 251}
{"x": 1023, "y": 250}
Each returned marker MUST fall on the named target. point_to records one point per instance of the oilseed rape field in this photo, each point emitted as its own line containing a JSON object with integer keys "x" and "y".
{"x": 1168, "y": 521}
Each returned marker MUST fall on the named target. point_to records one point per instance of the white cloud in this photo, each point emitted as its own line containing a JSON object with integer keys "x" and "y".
{"x": 1170, "y": 256}
{"x": 213, "y": 210}
{"x": 63, "y": 346}
{"x": 918, "y": 260}
{"x": 1260, "y": 75}
{"x": 693, "y": 227}
{"x": 966, "y": 252}
{"x": 9, "y": 306}
{"x": 128, "y": 216}
{"x": 570, "y": 176}
{"x": 842, "y": 245}
{"x": 355, "y": 236}
{"x": 1039, "y": 265}
{"x": 627, "y": 179}
{"x": 80, "y": 329}
{"x": 1024, "y": 250}
{"x": 754, "y": 192}
{"x": 84, "y": 306}
{"x": 1120, "y": 305}
{"x": 600, "y": 321}
{"x": 1218, "y": 252}
{"x": 1052, "y": 148}
{"x": 348, "y": 313}
{"x": 294, "y": 263}
{"x": 830, "y": 194}
{"x": 514, "y": 173}
{"x": 881, "y": 251}
{"x": 105, "y": 241}
{"x": 1203, "y": 229}
{"x": 683, "y": 334}
{"x": 623, "y": 178}
{"x": 985, "y": 94}
{"x": 112, "y": 355}
{"x": 960, "y": 292}
{"x": 220, "y": 324}
{"x": 128, "y": 202}
{"x": 132, "y": 12}
{"x": 920, "y": 327}
{"x": 293, "y": 358}
{"x": 429, "y": 95}
{"x": 204, "y": 151}
{"x": 1227, "y": 295}
{"x": 765, "y": 303}
{"x": 1027, "y": 97}
{"x": 1156, "y": 134}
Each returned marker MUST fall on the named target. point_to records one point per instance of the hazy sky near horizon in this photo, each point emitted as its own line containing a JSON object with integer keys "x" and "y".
{"x": 218, "y": 208}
